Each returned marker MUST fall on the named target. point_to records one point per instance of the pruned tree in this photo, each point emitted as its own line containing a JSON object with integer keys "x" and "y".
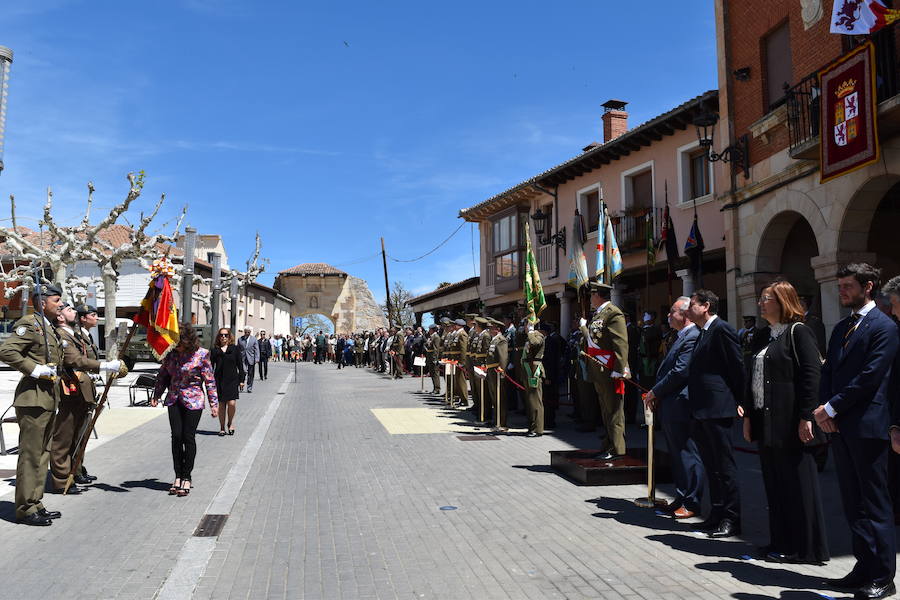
{"x": 401, "y": 312}
{"x": 64, "y": 247}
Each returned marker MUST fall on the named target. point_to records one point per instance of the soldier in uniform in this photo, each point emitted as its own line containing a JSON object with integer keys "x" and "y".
{"x": 470, "y": 355}
{"x": 533, "y": 380}
{"x": 608, "y": 333}
{"x": 478, "y": 358}
{"x": 79, "y": 393}
{"x": 397, "y": 349}
{"x": 433, "y": 353}
{"x": 460, "y": 344}
{"x": 35, "y": 350}
{"x": 497, "y": 359}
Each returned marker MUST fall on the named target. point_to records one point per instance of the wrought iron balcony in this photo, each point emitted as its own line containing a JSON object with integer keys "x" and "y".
{"x": 630, "y": 228}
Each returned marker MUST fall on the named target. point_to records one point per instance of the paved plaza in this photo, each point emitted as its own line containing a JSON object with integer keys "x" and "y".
{"x": 334, "y": 488}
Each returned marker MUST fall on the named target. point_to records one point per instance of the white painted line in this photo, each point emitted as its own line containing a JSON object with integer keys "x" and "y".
{"x": 196, "y": 551}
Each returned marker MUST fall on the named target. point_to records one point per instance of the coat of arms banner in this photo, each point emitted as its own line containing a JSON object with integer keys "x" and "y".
{"x": 849, "y": 111}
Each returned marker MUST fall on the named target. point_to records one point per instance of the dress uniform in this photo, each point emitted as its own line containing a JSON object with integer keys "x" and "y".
{"x": 607, "y": 331}
{"x": 470, "y": 355}
{"x": 433, "y": 353}
{"x": 80, "y": 356}
{"x": 533, "y": 371}
{"x": 497, "y": 358}
{"x": 35, "y": 350}
{"x": 478, "y": 358}
{"x": 397, "y": 348}
{"x": 460, "y": 344}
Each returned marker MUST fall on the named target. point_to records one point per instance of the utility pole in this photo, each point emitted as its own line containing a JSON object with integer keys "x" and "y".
{"x": 187, "y": 281}
{"x": 6, "y": 58}
{"x": 387, "y": 287}
{"x": 216, "y": 299}
{"x": 233, "y": 290}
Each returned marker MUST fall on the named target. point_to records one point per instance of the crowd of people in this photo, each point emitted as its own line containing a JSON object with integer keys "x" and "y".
{"x": 796, "y": 396}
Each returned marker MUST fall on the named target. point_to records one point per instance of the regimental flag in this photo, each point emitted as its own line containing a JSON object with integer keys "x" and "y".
{"x": 609, "y": 260}
{"x": 861, "y": 17}
{"x": 158, "y": 313}
{"x": 849, "y": 113}
{"x": 534, "y": 292}
{"x": 667, "y": 240}
{"x": 693, "y": 248}
{"x": 578, "y": 271}
{"x": 651, "y": 243}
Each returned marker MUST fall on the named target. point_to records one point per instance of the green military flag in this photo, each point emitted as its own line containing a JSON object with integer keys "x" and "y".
{"x": 534, "y": 292}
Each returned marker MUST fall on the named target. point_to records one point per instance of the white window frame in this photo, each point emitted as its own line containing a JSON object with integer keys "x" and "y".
{"x": 628, "y": 192}
{"x": 683, "y": 160}
{"x": 580, "y": 203}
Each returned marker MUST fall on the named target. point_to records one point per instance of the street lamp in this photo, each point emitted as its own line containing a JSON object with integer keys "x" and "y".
{"x": 540, "y": 225}
{"x": 738, "y": 153}
{"x": 6, "y": 58}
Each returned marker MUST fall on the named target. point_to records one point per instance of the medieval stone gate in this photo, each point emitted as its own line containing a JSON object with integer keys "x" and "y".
{"x": 319, "y": 288}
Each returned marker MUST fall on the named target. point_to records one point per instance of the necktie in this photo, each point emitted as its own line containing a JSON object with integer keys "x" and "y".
{"x": 855, "y": 318}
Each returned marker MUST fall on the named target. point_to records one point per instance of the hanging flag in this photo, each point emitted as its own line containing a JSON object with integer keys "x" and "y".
{"x": 651, "y": 244}
{"x": 667, "y": 239}
{"x": 578, "y": 272}
{"x": 158, "y": 313}
{"x": 693, "y": 248}
{"x": 609, "y": 260}
{"x": 861, "y": 17}
{"x": 534, "y": 292}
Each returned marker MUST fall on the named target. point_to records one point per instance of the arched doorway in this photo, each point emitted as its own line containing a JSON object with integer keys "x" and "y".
{"x": 882, "y": 238}
{"x": 314, "y": 322}
{"x": 786, "y": 249}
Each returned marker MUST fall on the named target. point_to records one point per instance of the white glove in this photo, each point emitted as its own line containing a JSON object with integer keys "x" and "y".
{"x": 583, "y": 322}
{"x": 111, "y": 366}
{"x": 44, "y": 372}
{"x": 615, "y": 375}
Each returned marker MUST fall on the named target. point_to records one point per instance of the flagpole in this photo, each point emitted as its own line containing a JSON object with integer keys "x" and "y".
{"x": 669, "y": 259}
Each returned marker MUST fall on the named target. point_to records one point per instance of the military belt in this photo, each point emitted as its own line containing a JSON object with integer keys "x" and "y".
{"x": 492, "y": 365}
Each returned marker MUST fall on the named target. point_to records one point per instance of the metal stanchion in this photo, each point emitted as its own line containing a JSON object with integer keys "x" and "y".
{"x": 650, "y": 501}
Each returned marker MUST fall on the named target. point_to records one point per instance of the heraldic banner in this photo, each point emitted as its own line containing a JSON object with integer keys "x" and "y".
{"x": 849, "y": 111}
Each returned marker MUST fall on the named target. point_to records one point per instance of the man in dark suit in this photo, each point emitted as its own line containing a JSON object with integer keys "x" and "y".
{"x": 855, "y": 409}
{"x": 814, "y": 322}
{"x": 669, "y": 398}
{"x": 715, "y": 383}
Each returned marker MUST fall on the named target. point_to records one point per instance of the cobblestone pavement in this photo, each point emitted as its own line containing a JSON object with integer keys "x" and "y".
{"x": 335, "y": 506}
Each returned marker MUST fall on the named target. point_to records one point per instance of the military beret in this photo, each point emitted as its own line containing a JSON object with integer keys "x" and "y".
{"x": 596, "y": 286}
{"x": 471, "y": 316}
{"x": 85, "y": 309}
{"x": 47, "y": 289}
{"x": 482, "y": 321}
{"x": 460, "y": 322}
{"x": 496, "y": 323}
{"x": 445, "y": 320}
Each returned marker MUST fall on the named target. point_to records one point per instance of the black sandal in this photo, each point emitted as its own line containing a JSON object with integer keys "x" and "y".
{"x": 222, "y": 433}
{"x": 231, "y": 431}
{"x": 183, "y": 491}
{"x": 174, "y": 489}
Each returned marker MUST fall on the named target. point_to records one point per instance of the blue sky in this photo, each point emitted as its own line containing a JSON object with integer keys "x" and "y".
{"x": 326, "y": 126}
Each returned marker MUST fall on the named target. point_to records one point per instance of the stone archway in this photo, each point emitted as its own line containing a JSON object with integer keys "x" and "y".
{"x": 319, "y": 288}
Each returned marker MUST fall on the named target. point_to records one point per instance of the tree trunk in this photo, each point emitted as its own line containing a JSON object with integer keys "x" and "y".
{"x": 110, "y": 287}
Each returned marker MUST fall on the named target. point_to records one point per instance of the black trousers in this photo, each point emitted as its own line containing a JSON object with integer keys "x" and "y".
{"x": 251, "y": 372}
{"x": 263, "y": 367}
{"x": 713, "y": 438}
{"x": 862, "y": 476}
{"x": 183, "y": 422}
{"x": 796, "y": 518}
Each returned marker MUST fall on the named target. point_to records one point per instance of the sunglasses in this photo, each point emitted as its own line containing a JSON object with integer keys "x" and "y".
{"x": 223, "y": 335}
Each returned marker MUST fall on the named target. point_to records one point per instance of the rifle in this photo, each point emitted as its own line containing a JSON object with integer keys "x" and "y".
{"x": 631, "y": 381}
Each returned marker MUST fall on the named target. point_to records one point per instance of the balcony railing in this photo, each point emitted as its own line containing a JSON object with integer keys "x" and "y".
{"x": 804, "y": 103}
{"x": 490, "y": 274}
{"x": 631, "y": 228}
{"x": 545, "y": 257}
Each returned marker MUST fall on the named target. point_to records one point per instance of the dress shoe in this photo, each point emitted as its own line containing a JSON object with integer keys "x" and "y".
{"x": 683, "y": 513}
{"x": 73, "y": 490}
{"x": 607, "y": 456}
{"x": 36, "y": 520}
{"x": 533, "y": 434}
{"x": 707, "y": 525}
{"x": 89, "y": 477}
{"x": 851, "y": 581}
{"x": 49, "y": 514}
{"x": 82, "y": 480}
{"x": 778, "y": 557}
{"x": 873, "y": 591}
{"x": 727, "y": 528}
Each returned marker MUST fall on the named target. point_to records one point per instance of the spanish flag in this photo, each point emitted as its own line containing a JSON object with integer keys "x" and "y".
{"x": 159, "y": 315}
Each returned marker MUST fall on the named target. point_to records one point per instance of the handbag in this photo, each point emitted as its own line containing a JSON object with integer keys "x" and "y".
{"x": 818, "y": 437}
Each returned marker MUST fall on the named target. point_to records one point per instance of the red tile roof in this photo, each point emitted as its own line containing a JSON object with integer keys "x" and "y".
{"x": 312, "y": 269}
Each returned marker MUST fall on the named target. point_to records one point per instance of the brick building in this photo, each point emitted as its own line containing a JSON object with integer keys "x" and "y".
{"x": 779, "y": 218}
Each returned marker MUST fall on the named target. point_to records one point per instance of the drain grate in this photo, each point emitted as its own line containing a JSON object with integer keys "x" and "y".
{"x": 210, "y": 525}
{"x": 476, "y": 438}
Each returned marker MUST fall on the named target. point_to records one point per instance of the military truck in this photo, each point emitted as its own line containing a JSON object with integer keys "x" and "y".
{"x": 139, "y": 350}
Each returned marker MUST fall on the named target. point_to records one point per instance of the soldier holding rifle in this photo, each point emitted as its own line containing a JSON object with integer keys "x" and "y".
{"x": 80, "y": 357}
{"x": 497, "y": 359}
{"x": 35, "y": 349}
{"x": 433, "y": 352}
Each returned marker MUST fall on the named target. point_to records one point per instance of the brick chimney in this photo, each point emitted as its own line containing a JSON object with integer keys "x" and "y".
{"x": 615, "y": 120}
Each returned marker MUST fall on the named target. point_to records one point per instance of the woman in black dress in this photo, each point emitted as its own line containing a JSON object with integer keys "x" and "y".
{"x": 229, "y": 372}
{"x": 782, "y": 391}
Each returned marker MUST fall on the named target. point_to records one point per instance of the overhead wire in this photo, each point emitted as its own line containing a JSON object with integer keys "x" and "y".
{"x": 433, "y": 250}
